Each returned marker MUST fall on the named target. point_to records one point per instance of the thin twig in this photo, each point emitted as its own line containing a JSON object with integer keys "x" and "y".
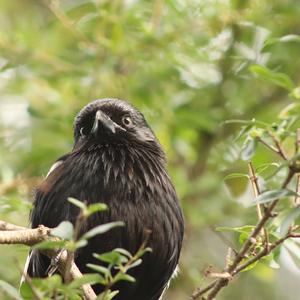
{"x": 199, "y": 292}
{"x": 255, "y": 188}
{"x": 279, "y": 148}
{"x": 296, "y": 199}
{"x": 272, "y": 148}
{"x": 256, "y": 192}
{"x": 234, "y": 267}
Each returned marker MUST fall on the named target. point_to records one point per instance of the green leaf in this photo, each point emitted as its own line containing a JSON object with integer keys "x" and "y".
{"x": 246, "y": 228}
{"x": 81, "y": 243}
{"x": 108, "y": 295}
{"x": 143, "y": 251}
{"x": 243, "y": 237}
{"x": 274, "y": 264}
{"x": 273, "y": 195}
{"x": 50, "y": 245}
{"x": 296, "y": 93}
{"x": 124, "y": 252}
{"x": 64, "y": 230}
{"x": 235, "y": 175}
{"x": 96, "y": 207}
{"x": 101, "y": 229}
{"x": 247, "y": 122}
{"x": 113, "y": 257}
{"x": 136, "y": 263}
{"x": 283, "y": 39}
{"x": 77, "y": 203}
{"x": 10, "y": 290}
{"x": 289, "y": 220}
{"x": 293, "y": 109}
{"x": 124, "y": 277}
{"x": 85, "y": 279}
{"x": 248, "y": 149}
{"x": 250, "y": 267}
{"x": 279, "y": 79}
{"x": 100, "y": 269}
{"x": 263, "y": 167}
{"x": 26, "y": 291}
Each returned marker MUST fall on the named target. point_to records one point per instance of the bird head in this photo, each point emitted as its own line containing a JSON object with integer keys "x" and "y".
{"x": 107, "y": 121}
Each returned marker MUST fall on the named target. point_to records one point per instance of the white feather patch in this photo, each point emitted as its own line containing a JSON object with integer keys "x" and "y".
{"x": 54, "y": 166}
{"x": 26, "y": 268}
{"x": 175, "y": 273}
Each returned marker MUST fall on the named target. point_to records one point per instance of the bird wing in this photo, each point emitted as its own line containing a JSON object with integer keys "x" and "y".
{"x": 36, "y": 261}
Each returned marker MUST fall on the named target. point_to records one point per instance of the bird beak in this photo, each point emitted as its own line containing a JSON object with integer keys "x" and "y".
{"x": 104, "y": 121}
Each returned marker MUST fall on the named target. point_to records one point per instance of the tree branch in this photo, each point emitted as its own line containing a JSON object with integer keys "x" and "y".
{"x": 235, "y": 266}
{"x": 13, "y": 234}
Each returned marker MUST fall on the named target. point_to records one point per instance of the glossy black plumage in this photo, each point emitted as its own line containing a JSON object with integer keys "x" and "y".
{"x": 116, "y": 159}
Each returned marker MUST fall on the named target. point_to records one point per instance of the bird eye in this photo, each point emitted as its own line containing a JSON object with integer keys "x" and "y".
{"x": 127, "y": 121}
{"x": 82, "y": 132}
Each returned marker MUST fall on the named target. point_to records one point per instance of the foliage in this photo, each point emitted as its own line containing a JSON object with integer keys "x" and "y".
{"x": 119, "y": 262}
{"x": 190, "y": 66}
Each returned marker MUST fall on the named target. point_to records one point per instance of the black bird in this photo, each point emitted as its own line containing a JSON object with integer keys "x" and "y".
{"x": 116, "y": 159}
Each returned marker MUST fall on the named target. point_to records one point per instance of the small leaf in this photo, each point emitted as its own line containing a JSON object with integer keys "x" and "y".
{"x": 273, "y": 195}
{"x": 108, "y": 295}
{"x": 64, "y": 230}
{"x": 77, "y": 203}
{"x": 85, "y": 279}
{"x": 262, "y": 168}
{"x": 81, "y": 243}
{"x": 124, "y": 277}
{"x": 293, "y": 109}
{"x": 290, "y": 38}
{"x": 96, "y": 207}
{"x": 283, "y": 39}
{"x": 143, "y": 251}
{"x": 279, "y": 79}
{"x": 247, "y": 122}
{"x": 296, "y": 93}
{"x": 124, "y": 252}
{"x": 256, "y": 132}
{"x": 26, "y": 291}
{"x": 246, "y": 228}
{"x": 243, "y": 237}
{"x": 50, "y": 245}
{"x": 10, "y": 290}
{"x": 274, "y": 264}
{"x": 113, "y": 257}
{"x": 100, "y": 269}
{"x": 136, "y": 263}
{"x": 289, "y": 220}
{"x": 249, "y": 267}
{"x": 101, "y": 229}
{"x": 248, "y": 149}
{"x": 235, "y": 175}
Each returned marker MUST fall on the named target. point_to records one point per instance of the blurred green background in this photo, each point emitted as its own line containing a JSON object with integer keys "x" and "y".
{"x": 185, "y": 65}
